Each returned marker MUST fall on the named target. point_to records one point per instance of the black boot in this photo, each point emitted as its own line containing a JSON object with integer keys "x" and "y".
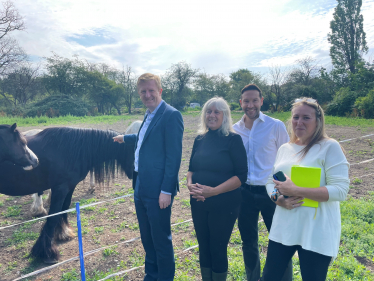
{"x": 206, "y": 273}
{"x": 219, "y": 276}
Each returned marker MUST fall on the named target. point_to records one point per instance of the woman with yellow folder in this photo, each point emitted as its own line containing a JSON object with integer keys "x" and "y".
{"x": 313, "y": 232}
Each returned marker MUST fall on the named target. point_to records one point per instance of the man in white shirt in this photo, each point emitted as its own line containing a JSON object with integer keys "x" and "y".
{"x": 262, "y": 136}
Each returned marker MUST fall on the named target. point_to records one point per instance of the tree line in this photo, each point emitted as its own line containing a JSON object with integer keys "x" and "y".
{"x": 60, "y": 86}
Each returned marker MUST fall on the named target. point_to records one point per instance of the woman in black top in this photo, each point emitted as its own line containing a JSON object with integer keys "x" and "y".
{"x": 218, "y": 166}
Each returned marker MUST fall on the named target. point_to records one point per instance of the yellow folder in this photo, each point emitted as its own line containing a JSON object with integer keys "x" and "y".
{"x": 309, "y": 177}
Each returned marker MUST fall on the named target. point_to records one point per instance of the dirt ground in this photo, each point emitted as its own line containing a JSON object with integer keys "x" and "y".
{"x": 115, "y": 222}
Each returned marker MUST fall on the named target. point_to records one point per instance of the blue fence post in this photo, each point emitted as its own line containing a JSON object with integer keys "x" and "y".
{"x": 81, "y": 257}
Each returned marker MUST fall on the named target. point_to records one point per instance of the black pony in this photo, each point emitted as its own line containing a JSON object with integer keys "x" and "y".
{"x": 13, "y": 148}
{"x": 66, "y": 155}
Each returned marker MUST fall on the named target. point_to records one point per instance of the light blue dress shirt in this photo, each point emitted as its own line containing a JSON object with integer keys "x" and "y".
{"x": 148, "y": 119}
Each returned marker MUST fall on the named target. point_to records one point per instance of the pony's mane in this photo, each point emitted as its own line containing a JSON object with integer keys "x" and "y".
{"x": 90, "y": 148}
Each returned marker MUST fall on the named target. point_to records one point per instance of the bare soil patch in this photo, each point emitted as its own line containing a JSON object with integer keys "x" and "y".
{"x": 115, "y": 222}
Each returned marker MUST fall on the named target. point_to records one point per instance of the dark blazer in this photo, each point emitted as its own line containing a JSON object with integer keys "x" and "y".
{"x": 161, "y": 152}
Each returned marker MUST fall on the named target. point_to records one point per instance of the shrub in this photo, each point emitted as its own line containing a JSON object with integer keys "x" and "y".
{"x": 365, "y": 105}
{"x": 14, "y": 111}
{"x": 234, "y": 106}
{"x": 58, "y": 105}
{"x": 342, "y": 103}
{"x": 196, "y": 108}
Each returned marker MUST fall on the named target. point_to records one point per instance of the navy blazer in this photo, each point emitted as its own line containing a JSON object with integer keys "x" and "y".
{"x": 161, "y": 152}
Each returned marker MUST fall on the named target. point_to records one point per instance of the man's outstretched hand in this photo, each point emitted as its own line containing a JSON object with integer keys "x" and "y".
{"x": 118, "y": 139}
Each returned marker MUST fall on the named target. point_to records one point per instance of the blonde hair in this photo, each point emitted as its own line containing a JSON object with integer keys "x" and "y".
{"x": 320, "y": 132}
{"x": 148, "y": 77}
{"x": 222, "y": 106}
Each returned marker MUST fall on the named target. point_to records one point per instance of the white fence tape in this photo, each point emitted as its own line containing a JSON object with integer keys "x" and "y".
{"x": 68, "y": 211}
{"x": 87, "y": 254}
{"x": 135, "y": 268}
{"x": 121, "y": 272}
{"x": 364, "y": 176}
{"x": 73, "y": 259}
{"x": 363, "y": 162}
{"x": 357, "y": 138}
{"x": 98, "y": 250}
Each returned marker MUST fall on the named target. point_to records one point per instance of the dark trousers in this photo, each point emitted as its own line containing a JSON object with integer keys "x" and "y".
{"x": 155, "y": 232}
{"x": 214, "y": 220}
{"x": 313, "y": 266}
{"x": 255, "y": 200}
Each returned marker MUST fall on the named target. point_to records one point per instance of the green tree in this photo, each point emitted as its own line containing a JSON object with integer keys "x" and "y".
{"x": 65, "y": 76}
{"x": 11, "y": 54}
{"x": 104, "y": 93}
{"x": 22, "y": 85}
{"x": 362, "y": 81}
{"x": 203, "y": 88}
{"x": 128, "y": 80}
{"x": 207, "y": 86}
{"x": 365, "y": 105}
{"x": 278, "y": 76}
{"x": 347, "y": 37}
{"x": 307, "y": 79}
{"x": 343, "y": 102}
{"x": 239, "y": 79}
{"x": 176, "y": 83}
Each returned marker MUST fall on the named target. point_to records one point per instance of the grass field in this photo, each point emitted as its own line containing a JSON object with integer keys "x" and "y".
{"x": 114, "y": 223}
{"x": 110, "y": 119}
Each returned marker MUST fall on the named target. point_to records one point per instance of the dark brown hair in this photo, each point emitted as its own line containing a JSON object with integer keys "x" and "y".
{"x": 252, "y": 87}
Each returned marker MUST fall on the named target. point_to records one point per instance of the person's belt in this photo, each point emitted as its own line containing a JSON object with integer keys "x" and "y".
{"x": 254, "y": 187}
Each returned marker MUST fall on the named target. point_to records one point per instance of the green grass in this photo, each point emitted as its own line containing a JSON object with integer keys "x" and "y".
{"x": 72, "y": 275}
{"x": 136, "y": 259}
{"x": 99, "y": 229}
{"x": 332, "y": 120}
{"x": 185, "y": 203}
{"x": 65, "y": 120}
{"x": 110, "y": 251}
{"x": 110, "y": 119}
{"x": 20, "y": 236}
{"x": 357, "y": 181}
{"x": 12, "y": 211}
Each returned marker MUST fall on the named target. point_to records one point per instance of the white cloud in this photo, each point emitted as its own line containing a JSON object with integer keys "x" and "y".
{"x": 219, "y": 36}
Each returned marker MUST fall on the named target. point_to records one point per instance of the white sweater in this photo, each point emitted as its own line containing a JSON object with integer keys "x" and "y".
{"x": 298, "y": 226}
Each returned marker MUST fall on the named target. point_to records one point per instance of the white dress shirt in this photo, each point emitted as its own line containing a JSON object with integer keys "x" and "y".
{"x": 149, "y": 116}
{"x": 261, "y": 144}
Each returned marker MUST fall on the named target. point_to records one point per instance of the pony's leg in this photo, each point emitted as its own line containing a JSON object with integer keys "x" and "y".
{"x": 44, "y": 248}
{"x": 37, "y": 208}
{"x": 48, "y": 201}
{"x": 92, "y": 183}
{"x": 63, "y": 231}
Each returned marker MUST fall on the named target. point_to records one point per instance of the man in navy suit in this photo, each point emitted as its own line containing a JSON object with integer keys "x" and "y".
{"x": 158, "y": 153}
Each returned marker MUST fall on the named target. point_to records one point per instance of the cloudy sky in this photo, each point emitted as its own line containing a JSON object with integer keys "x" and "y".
{"x": 215, "y": 36}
